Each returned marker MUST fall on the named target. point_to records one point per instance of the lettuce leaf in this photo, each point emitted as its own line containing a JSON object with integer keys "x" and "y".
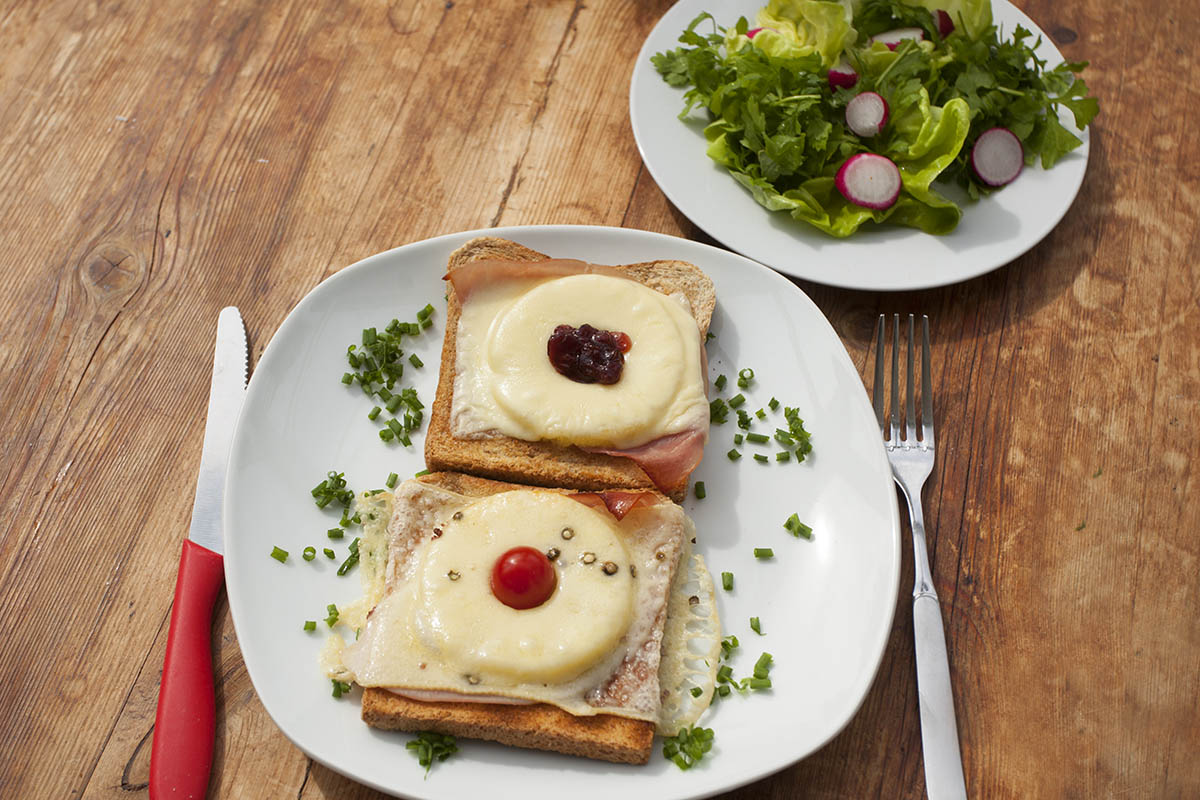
{"x": 798, "y": 28}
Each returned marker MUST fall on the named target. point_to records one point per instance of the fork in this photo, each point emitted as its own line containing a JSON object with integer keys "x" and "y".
{"x": 912, "y": 461}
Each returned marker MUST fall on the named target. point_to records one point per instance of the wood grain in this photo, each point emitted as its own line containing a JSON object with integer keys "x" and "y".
{"x": 159, "y": 161}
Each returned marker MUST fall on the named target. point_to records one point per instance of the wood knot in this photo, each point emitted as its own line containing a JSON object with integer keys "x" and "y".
{"x": 111, "y": 270}
{"x": 1064, "y": 35}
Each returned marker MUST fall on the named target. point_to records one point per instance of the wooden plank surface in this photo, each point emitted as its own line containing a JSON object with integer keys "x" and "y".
{"x": 159, "y": 161}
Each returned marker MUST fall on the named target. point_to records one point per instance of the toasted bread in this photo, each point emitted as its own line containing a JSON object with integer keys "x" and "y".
{"x": 547, "y": 463}
{"x": 537, "y": 726}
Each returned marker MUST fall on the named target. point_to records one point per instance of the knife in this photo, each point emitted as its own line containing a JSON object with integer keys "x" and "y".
{"x": 181, "y": 756}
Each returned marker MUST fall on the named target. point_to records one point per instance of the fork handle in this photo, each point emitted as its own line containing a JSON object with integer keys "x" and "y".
{"x": 939, "y": 729}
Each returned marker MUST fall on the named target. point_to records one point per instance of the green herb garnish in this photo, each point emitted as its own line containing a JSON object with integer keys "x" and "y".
{"x": 764, "y": 552}
{"x": 429, "y": 747}
{"x": 797, "y": 528}
{"x": 756, "y": 626}
{"x": 279, "y": 554}
{"x": 309, "y": 553}
{"x": 310, "y": 624}
{"x": 332, "y": 618}
{"x": 700, "y": 491}
{"x": 727, "y": 581}
{"x": 688, "y": 746}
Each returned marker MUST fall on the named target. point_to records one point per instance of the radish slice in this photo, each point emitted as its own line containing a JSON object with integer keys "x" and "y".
{"x": 894, "y": 37}
{"x": 750, "y": 34}
{"x": 997, "y": 156}
{"x": 866, "y": 114}
{"x": 945, "y": 23}
{"x": 869, "y": 181}
{"x": 842, "y": 75}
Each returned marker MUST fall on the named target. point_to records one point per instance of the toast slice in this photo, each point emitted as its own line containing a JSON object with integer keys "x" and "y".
{"x": 539, "y": 726}
{"x": 546, "y": 463}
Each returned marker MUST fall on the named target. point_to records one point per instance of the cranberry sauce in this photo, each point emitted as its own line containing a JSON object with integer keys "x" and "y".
{"x": 588, "y": 355}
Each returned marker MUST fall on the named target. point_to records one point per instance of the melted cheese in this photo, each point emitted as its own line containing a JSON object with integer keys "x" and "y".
{"x": 505, "y": 383}
{"x": 459, "y": 618}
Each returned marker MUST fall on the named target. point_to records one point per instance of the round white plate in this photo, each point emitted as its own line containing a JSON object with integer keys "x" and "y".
{"x": 992, "y": 232}
{"x": 826, "y": 605}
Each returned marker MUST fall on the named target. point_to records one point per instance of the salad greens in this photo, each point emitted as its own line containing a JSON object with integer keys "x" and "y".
{"x": 778, "y": 125}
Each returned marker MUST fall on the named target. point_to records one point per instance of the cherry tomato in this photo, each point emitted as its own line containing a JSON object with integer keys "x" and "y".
{"x": 523, "y": 578}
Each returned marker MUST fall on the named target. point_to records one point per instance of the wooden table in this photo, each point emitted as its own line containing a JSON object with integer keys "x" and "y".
{"x": 161, "y": 160}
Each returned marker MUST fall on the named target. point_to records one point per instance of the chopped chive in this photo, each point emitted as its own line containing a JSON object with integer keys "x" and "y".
{"x": 764, "y": 552}
{"x": 738, "y": 438}
{"x": 720, "y": 382}
{"x": 758, "y": 438}
{"x": 797, "y": 528}
{"x": 335, "y": 533}
{"x": 329, "y": 553}
{"x": 369, "y": 336}
{"x": 347, "y": 378}
{"x": 758, "y": 683}
{"x": 394, "y": 424}
{"x": 733, "y": 455}
{"x": 340, "y": 687}
{"x": 419, "y": 474}
{"x": 279, "y": 554}
{"x": 760, "y": 414}
{"x": 727, "y": 581}
{"x": 723, "y": 690}
{"x": 773, "y": 404}
{"x": 760, "y": 458}
{"x": 374, "y": 412}
{"x": 708, "y": 337}
{"x": 744, "y": 377}
{"x": 756, "y": 626}
{"x": 387, "y": 435}
{"x": 783, "y": 455}
{"x": 416, "y": 362}
{"x": 697, "y": 691}
{"x": 717, "y": 411}
{"x": 349, "y": 563}
{"x": 394, "y": 404}
{"x": 784, "y": 438}
{"x": 425, "y": 323}
{"x": 725, "y": 673}
{"x": 425, "y": 312}
{"x": 701, "y": 493}
{"x": 332, "y": 619}
{"x": 391, "y": 480}
{"x": 310, "y": 624}
{"x": 309, "y": 553}
{"x": 744, "y": 421}
{"x": 763, "y": 665}
{"x": 737, "y": 400}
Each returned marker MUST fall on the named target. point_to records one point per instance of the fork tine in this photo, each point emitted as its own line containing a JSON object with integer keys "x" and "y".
{"x": 878, "y": 398}
{"x": 910, "y": 408}
{"x": 926, "y": 385}
{"x": 895, "y": 434}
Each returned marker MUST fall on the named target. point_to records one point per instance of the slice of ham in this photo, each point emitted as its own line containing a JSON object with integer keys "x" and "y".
{"x": 667, "y": 459}
{"x": 616, "y": 503}
{"x": 469, "y": 277}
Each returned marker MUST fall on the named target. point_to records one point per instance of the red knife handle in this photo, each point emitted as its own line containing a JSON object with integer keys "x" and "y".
{"x": 181, "y": 756}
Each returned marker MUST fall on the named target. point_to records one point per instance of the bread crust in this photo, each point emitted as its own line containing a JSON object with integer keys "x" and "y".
{"x": 547, "y": 463}
{"x": 537, "y": 726}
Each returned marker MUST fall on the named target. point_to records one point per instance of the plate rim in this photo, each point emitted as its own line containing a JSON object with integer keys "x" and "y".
{"x": 893, "y": 536}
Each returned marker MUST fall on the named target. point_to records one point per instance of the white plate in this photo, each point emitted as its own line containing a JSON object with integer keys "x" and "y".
{"x": 992, "y": 232}
{"x": 826, "y": 605}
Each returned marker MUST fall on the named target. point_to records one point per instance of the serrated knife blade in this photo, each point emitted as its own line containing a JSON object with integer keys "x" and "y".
{"x": 181, "y": 756}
